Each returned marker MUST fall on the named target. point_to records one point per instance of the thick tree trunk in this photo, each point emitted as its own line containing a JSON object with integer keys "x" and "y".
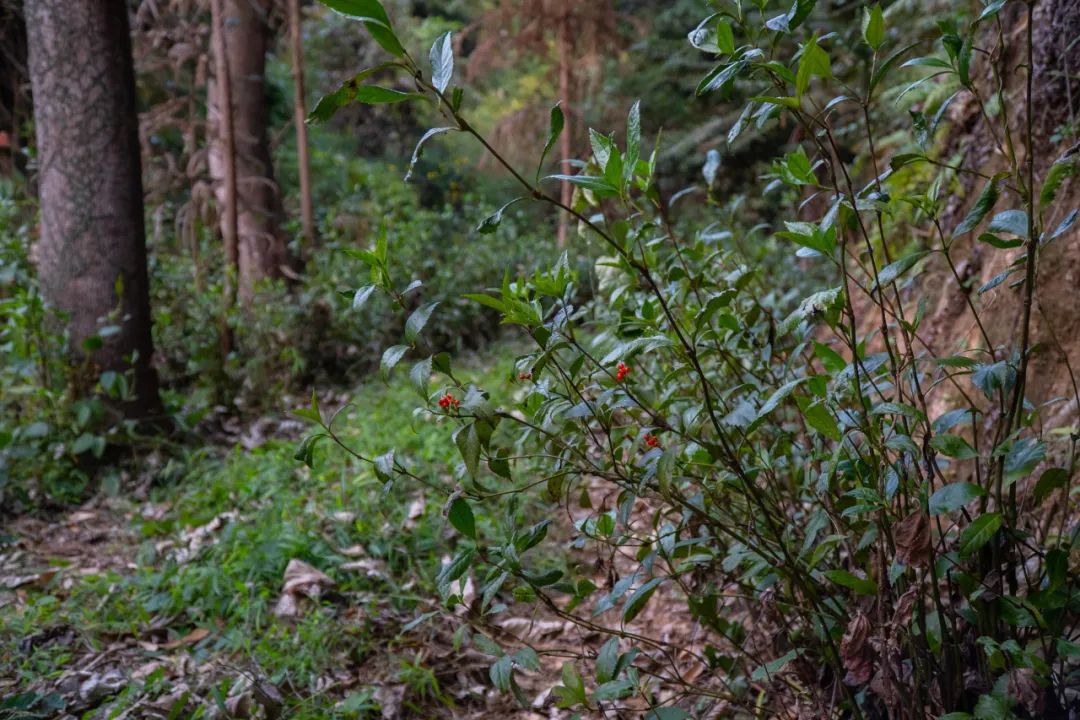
{"x": 261, "y": 248}
{"x": 296, "y": 36}
{"x": 92, "y": 250}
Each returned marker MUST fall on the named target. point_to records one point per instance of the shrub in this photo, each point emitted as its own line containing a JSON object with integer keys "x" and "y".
{"x": 807, "y": 467}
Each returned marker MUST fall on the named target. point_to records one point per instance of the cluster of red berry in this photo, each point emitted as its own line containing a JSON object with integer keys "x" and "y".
{"x": 652, "y": 441}
{"x": 621, "y": 372}
{"x": 448, "y": 400}
{"x": 524, "y": 376}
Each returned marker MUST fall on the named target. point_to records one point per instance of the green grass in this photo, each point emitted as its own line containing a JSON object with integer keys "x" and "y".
{"x": 283, "y": 510}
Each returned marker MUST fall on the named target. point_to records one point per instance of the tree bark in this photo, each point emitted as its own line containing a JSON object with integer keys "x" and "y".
{"x": 565, "y": 147}
{"x": 296, "y": 36}
{"x": 92, "y": 249}
{"x": 225, "y": 144}
{"x": 261, "y": 249}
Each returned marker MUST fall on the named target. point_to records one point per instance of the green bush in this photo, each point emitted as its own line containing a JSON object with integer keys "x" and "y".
{"x": 852, "y": 520}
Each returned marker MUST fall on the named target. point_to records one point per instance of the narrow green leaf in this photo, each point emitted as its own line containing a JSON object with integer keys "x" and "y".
{"x": 978, "y": 533}
{"x": 555, "y": 129}
{"x": 985, "y": 202}
{"x": 375, "y": 19}
{"x": 419, "y": 149}
{"x": 863, "y": 586}
{"x": 953, "y": 446}
{"x": 442, "y": 62}
{"x": 636, "y": 603}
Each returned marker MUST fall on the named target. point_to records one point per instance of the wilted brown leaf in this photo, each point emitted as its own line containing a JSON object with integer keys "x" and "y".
{"x": 855, "y": 651}
{"x": 912, "y": 537}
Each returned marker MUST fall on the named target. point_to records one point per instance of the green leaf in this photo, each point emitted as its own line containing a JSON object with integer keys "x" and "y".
{"x": 1023, "y": 456}
{"x": 1010, "y": 221}
{"x": 668, "y": 713}
{"x": 1049, "y": 481}
{"x": 1059, "y": 171}
{"x": 895, "y": 269}
{"x": 461, "y": 517}
{"x": 725, "y": 38}
{"x": 873, "y": 26}
{"x": 362, "y": 296}
{"x": 953, "y": 497}
{"x": 456, "y": 567}
{"x": 420, "y": 375}
{"x": 442, "y": 62}
{"x": 384, "y": 466}
{"x": 813, "y": 63}
{"x": 633, "y": 140}
{"x": 420, "y": 147}
{"x": 468, "y": 443}
{"x": 501, "y": 672}
{"x": 555, "y": 129}
{"x": 953, "y": 446}
{"x": 606, "y": 661}
{"x": 375, "y": 19}
{"x": 639, "y": 598}
{"x": 978, "y": 533}
{"x": 990, "y": 707}
{"x": 771, "y": 668}
{"x": 985, "y": 202}
{"x": 378, "y": 95}
{"x": 597, "y": 185}
{"x": 391, "y": 357}
{"x": 613, "y": 690}
{"x": 819, "y": 417}
{"x": 416, "y": 322}
{"x": 863, "y": 586}
{"x": 491, "y": 223}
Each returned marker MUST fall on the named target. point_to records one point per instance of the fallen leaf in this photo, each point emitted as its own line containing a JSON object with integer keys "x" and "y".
{"x": 190, "y": 639}
{"x": 855, "y": 651}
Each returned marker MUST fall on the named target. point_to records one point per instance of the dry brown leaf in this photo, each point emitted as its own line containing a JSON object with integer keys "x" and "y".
{"x": 855, "y": 651}
{"x": 190, "y": 639}
{"x": 303, "y": 579}
{"x": 912, "y": 537}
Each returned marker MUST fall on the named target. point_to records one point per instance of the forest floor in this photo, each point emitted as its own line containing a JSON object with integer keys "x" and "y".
{"x": 258, "y": 587}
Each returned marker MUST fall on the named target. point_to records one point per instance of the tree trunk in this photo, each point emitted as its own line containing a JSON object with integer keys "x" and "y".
{"x": 225, "y": 145}
{"x": 261, "y": 249}
{"x": 567, "y": 192}
{"x": 296, "y": 36}
{"x": 92, "y": 250}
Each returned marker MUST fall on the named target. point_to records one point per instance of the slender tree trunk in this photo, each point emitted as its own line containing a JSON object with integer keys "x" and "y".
{"x": 565, "y": 146}
{"x": 296, "y": 31}
{"x": 225, "y": 161}
{"x": 261, "y": 249}
{"x": 92, "y": 250}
